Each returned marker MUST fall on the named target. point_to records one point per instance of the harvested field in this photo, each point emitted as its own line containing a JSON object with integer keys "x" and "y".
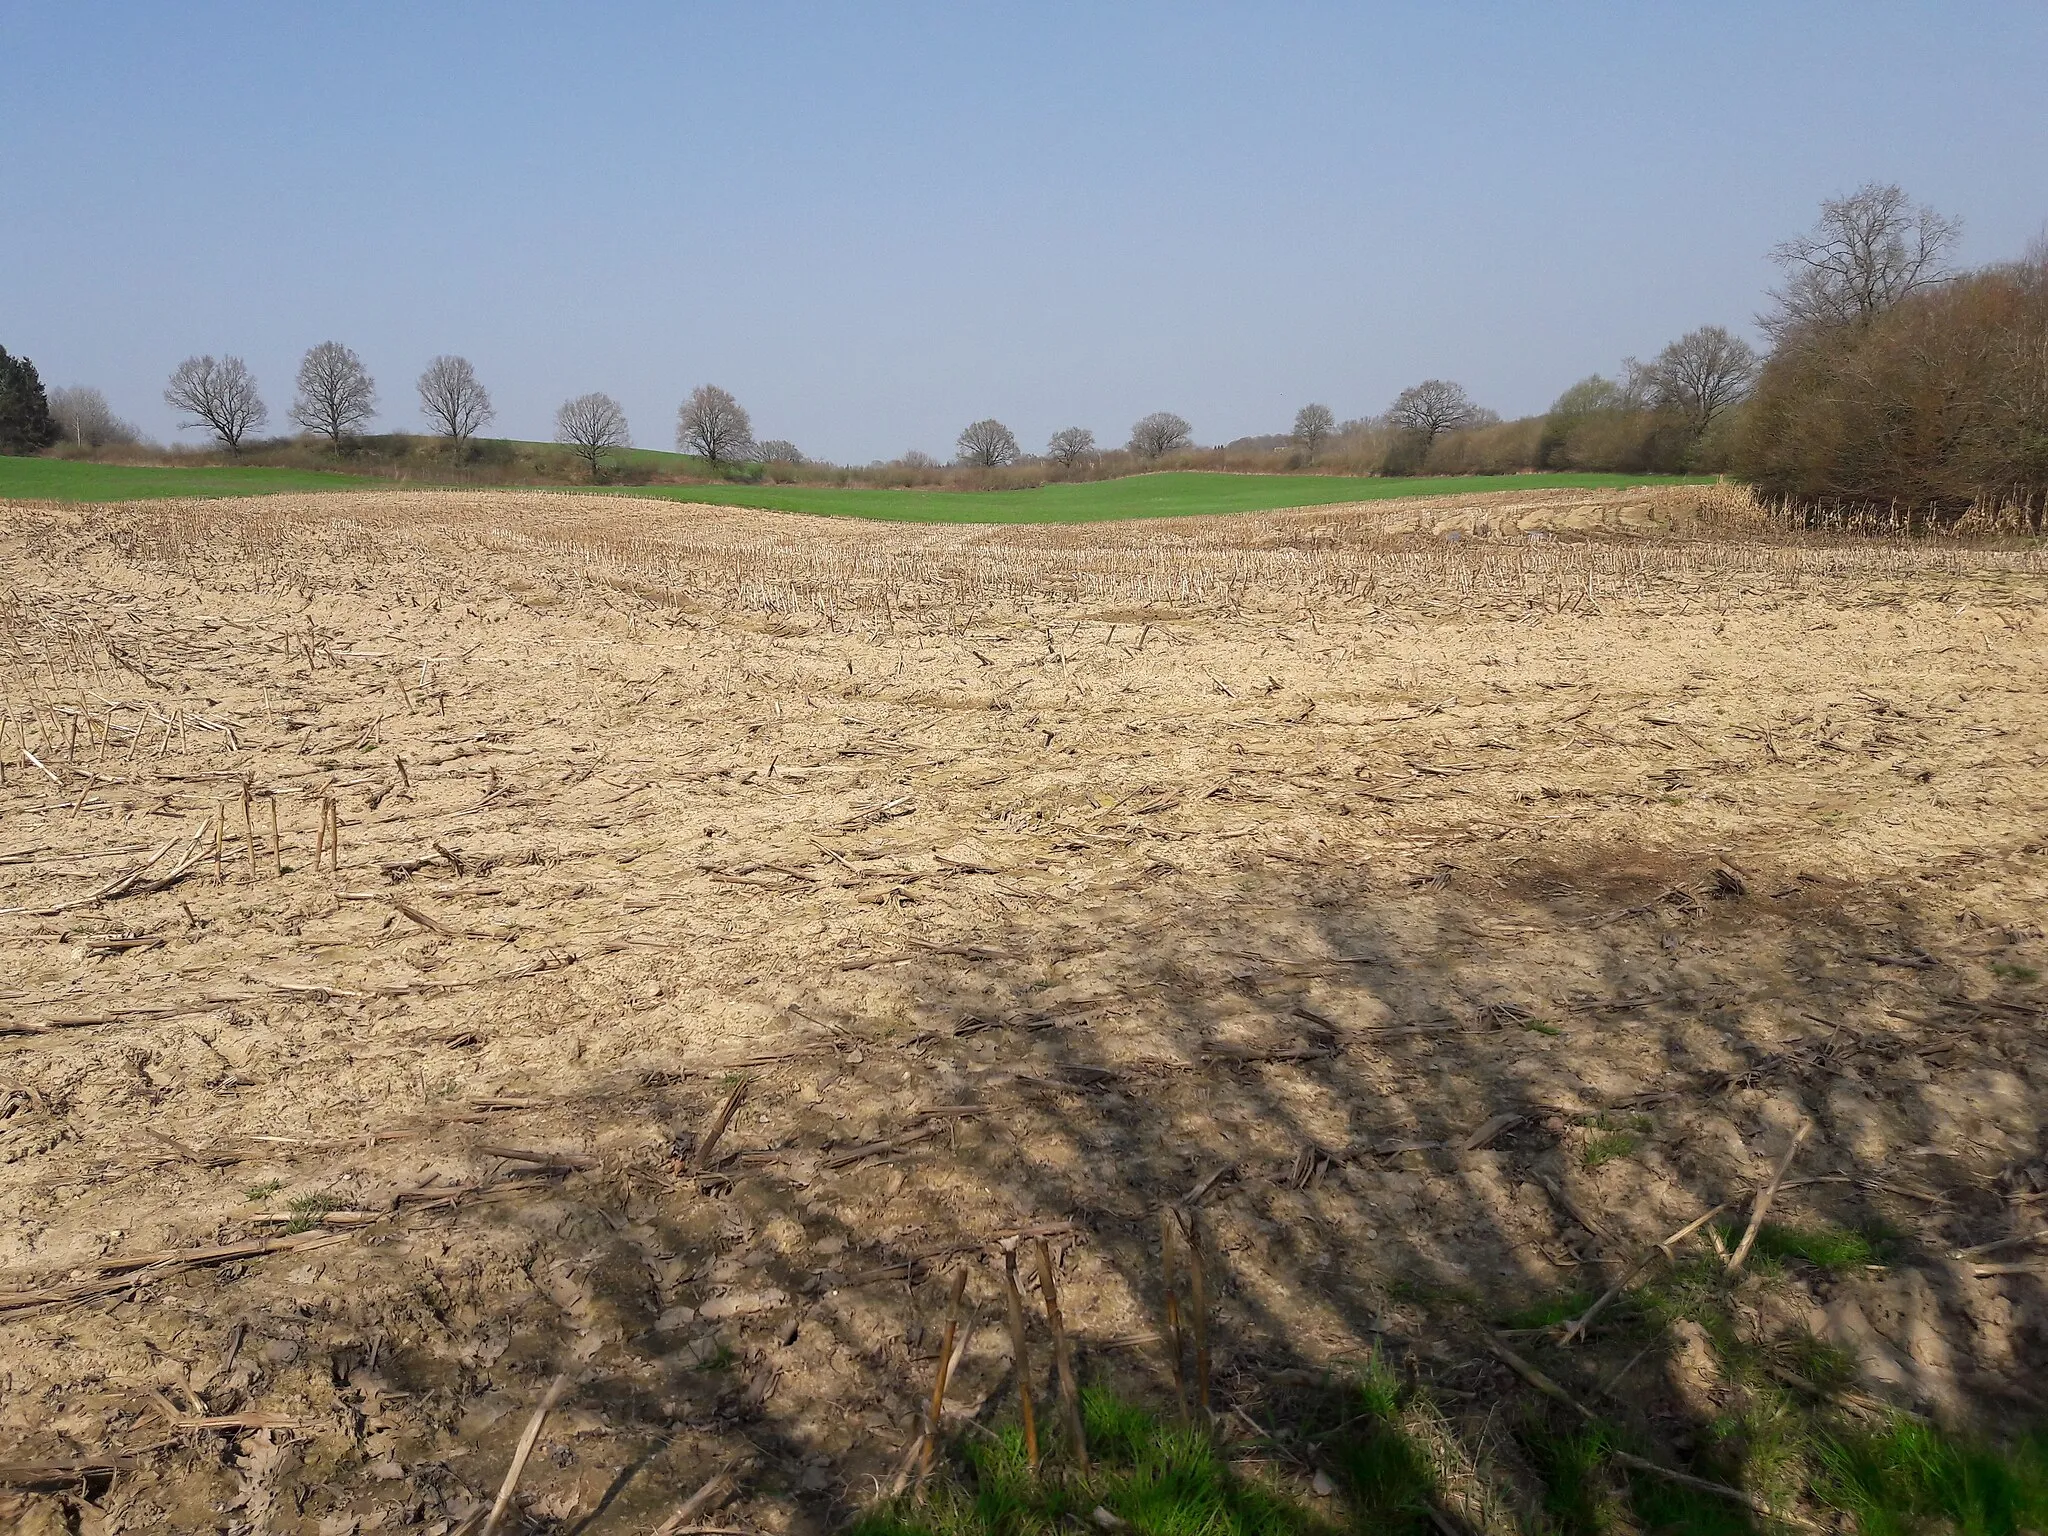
{"x": 734, "y": 923}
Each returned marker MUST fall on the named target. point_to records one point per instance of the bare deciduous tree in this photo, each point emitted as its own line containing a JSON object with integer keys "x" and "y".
{"x": 917, "y": 458}
{"x": 1159, "y": 434}
{"x": 218, "y": 394}
{"x": 1867, "y": 252}
{"x": 592, "y": 425}
{"x": 336, "y": 395}
{"x": 987, "y": 443}
{"x": 1313, "y": 425}
{"x": 1701, "y": 374}
{"x": 453, "y": 399}
{"x": 1070, "y": 446}
{"x": 83, "y": 415}
{"x": 714, "y": 426}
{"x": 1433, "y": 407}
{"x": 778, "y": 450}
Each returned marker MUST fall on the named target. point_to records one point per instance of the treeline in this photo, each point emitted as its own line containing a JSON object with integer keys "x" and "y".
{"x": 1894, "y": 385}
{"x": 1897, "y": 392}
{"x": 336, "y": 399}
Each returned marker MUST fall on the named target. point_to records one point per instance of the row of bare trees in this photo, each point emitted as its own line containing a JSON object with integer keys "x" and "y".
{"x": 988, "y": 444}
{"x": 337, "y": 399}
{"x": 336, "y": 396}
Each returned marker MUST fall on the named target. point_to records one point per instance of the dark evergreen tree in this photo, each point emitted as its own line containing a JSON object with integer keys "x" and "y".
{"x": 25, "y": 424}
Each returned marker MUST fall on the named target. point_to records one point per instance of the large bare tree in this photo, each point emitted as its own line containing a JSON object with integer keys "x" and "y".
{"x": 83, "y": 415}
{"x": 336, "y": 395}
{"x": 593, "y": 425}
{"x": 1070, "y": 446}
{"x": 1161, "y": 433}
{"x": 1867, "y": 252}
{"x": 454, "y": 399}
{"x": 780, "y": 450}
{"x": 1431, "y": 408}
{"x": 1313, "y": 425}
{"x": 1701, "y": 374}
{"x": 218, "y": 394}
{"x": 714, "y": 426}
{"x": 987, "y": 443}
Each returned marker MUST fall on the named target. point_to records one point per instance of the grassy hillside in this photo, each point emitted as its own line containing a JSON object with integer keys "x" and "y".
{"x": 66, "y": 480}
{"x": 1175, "y": 494}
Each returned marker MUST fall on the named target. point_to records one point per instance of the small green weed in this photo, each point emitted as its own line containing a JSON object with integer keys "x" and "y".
{"x": 1430, "y": 1293}
{"x": 1540, "y": 1027}
{"x": 1549, "y": 1312}
{"x": 264, "y": 1190}
{"x": 2009, "y": 972}
{"x": 1814, "y": 1360}
{"x": 1578, "y": 1495}
{"x": 308, "y": 1209}
{"x": 1603, "y": 1147}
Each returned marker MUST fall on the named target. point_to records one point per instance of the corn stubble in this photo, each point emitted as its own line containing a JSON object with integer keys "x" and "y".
{"x": 660, "y": 946}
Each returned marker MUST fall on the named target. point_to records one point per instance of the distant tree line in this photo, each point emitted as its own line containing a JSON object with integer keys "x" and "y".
{"x": 1891, "y": 380}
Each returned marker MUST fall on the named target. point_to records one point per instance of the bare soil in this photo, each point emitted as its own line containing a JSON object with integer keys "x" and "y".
{"x": 1363, "y": 886}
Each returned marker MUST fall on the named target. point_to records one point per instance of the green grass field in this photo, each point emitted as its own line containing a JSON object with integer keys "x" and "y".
{"x": 1176, "y": 494}
{"x": 66, "y": 480}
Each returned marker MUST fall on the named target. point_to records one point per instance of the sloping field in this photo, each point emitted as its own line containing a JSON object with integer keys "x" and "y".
{"x": 734, "y": 925}
{"x": 1135, "y": 496}
{"x": 1187, "y": 493}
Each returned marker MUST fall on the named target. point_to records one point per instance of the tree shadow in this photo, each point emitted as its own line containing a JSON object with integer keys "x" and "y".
{"x": 1407, "y": 1119}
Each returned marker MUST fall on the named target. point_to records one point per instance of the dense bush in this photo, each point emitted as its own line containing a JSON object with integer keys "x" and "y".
{"x": 1930, "y": 406}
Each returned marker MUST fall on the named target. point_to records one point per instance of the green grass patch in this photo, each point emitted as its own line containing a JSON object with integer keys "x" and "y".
{"x": 1905, "y": 1478}
{"x": 1834, "y": 1250}
{"x": 74, "y": 480}
{"x": 1178, "y": 493}
{"x": 1164, "y": 1478}
{"x": 1603, "y": 1147}
{"x": 1550, "y": 1311}
{"x": 721, "y": 1359}
{"x": 1368, "y": 1438}
{"x": 1612, "y": 1138}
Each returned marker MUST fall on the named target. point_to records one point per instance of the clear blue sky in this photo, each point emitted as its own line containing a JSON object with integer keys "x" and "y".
{"x": 875, "y": 223}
